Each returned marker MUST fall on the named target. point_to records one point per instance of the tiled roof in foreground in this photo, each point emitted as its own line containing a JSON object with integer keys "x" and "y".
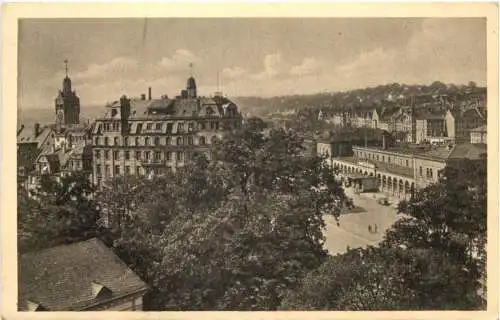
{"x": 65, "y": 278}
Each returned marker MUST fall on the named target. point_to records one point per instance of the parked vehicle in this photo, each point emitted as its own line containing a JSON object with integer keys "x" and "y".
{"x": 383, "y": 201}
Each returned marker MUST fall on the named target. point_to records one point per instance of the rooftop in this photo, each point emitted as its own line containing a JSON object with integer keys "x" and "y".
{"x": 479, "y": 129}
{"x": 26, "y": 134}
{"x": 439, "y": 152}
{"x": 64, "y": 278}
{"x": 173, "y": 108}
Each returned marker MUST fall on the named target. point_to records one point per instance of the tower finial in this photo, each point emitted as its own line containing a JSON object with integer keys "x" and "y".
{"x": 66, "y": 66}
{"x": 191, "y": 69}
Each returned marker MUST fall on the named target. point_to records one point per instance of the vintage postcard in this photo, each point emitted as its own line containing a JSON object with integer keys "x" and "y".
{"x": 279, "y": 161}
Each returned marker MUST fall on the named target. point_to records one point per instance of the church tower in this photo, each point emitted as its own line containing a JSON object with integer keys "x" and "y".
{"x": 191, "y": 85}
{"x": 67, "y": 103}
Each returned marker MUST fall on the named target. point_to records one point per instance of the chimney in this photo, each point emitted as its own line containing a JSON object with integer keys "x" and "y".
{"x": 36, "y": 129}
{"x": 149, "y": 93}
{"x": 384, "y": 142}
{"x": 143, "y": 96}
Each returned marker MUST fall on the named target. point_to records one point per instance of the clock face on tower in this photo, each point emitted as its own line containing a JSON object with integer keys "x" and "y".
{"x": 60, "y": 115}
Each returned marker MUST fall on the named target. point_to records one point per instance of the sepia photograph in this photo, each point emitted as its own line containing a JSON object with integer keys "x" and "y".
{"x": 253, "y": 164}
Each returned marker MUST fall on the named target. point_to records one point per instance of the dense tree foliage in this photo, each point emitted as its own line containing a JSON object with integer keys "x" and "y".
{"x": 433, "y": 258}
{"x": 233, "y": 233}
{"x": 59, "y": 211}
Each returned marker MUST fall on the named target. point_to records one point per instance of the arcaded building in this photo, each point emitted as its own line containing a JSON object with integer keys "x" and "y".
{"x": 148, "y": 136}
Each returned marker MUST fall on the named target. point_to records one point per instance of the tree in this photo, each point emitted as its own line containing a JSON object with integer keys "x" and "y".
{"x": 472, "y": 84}
{"x": 385, "y": 279}
{"x": 59, "y": 211}
{"x": 244, "y": 228}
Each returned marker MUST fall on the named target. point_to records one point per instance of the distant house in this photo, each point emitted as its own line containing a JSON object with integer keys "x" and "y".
{"x": 62, "y": 161}
{"x": 430, "y": 125}
{"x": 460, "y": 122}
{"x": 31, "y": 141}
{"x": 83, "y": 276}
{"x": 478, "y": 135}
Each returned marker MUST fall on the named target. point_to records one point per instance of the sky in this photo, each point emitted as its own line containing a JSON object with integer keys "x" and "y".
{"x": 242, "y": 56}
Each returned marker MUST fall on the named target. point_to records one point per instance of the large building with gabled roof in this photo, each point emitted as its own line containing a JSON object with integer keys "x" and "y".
{"x": 148, "y": 136}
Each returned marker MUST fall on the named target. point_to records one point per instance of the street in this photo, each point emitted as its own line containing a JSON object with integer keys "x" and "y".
{"x": 353, "y": 230}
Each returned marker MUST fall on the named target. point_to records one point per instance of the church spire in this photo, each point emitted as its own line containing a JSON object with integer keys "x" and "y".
{"x": 67, "y": 80}
{"x": 66, "y": 66}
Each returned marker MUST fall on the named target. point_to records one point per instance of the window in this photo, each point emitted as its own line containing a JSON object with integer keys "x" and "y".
{"x": 116, "y": 141}
{"x": 191, "y": 126}
{"x": 168, "y": 141}
{"x": 180, "y": 127}
{"x": 190, "y": 140}
{"x": 158, "y": 126}
{"x": 201, "y": 125}
{"x": 430, "y": 173}
{"x": 157, "y": 141}
{"x": 147, "y": 141}
{"x": 97, "y": 141}
{"x": 179, "y": 156}
{"x": 137, "y": 141}
{"x": 137, "y": 170}
{"x": 147, "y": 155}
{"x": 149, "y": 126}
{"x": 106, "y": 154}
{"x": 169, "y": 156}
{"x": 201, "y": 140}
{"x": 169, "y": 127}
{"x": 127, "y": 170}
{"x": 125, "y": 141}
{"x": 383, "y": 158}
{"x": 420, "y": 170}
{"x": 116, "y": 154}
{"x": 179, "y": 141}
{"x": 213, "y": 140}
{"x": 98, "y": 169}
{"x": 117, "y": 170}
{"x": 157, "y": 155}
{"x": 106, "y": 141}
{"x": 389, "y": 159}
{"x": 407, "y": 163}
{"x": 127, "y": 155}
{"x": 212, "y": 125}
{"x": 377, "y": 157}
{"x": 138, "y": 155}
{"x": 97, "y": 154}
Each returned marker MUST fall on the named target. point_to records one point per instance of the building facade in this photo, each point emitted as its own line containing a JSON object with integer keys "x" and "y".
{"x": 460, "y": 122}
{"x": 478, "y": 135}
{"x": 401, "y": 170}
{"x": 148, "y": 136}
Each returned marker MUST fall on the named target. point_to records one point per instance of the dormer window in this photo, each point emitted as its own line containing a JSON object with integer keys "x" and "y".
{"x": 34, "y": 306}
{"x": 100, "y": 291}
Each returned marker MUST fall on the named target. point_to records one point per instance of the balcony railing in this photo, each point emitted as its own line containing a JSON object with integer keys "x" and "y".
{"x": 152, "y": 162}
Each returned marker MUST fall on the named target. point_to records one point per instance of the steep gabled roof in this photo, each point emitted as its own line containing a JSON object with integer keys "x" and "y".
{"x": 74, "y": 277}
